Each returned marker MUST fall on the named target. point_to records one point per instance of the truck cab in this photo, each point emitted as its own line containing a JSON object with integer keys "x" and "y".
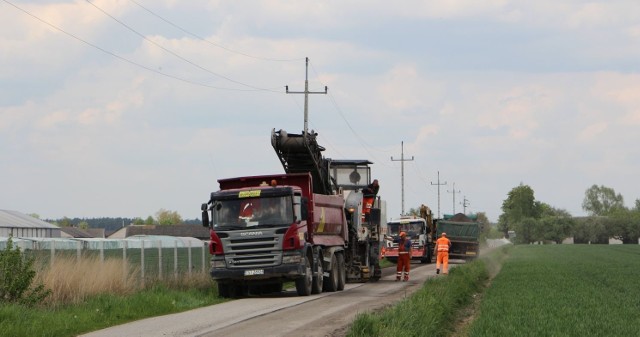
{"x": 417, "y": 230}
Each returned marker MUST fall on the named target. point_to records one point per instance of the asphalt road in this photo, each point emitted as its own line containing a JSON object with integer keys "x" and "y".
{"x": 285, "y": 314}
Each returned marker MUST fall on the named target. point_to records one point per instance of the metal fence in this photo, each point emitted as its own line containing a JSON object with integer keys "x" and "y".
{"x": 150, "y": 257}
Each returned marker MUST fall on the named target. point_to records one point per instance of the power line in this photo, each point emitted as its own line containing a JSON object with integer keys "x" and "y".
{"x": 121, "y": 57}
{"x": 174, "y": 53}
{"x": 361, "y": 140}
{"x": 210, "y": 42}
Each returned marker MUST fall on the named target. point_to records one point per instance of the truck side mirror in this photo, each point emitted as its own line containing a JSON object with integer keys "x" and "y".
{"x": 205, "y": 215}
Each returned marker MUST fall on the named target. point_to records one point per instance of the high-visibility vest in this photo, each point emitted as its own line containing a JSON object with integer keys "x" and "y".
{"x": 443, "y": 244}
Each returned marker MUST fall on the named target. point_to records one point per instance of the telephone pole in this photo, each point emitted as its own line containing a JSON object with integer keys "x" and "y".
{"x": 465, "y": 203}
{"x": 306, "y": 93}
{"x": 402, "y": 160}
{"x": 439, "y": 184}
{"x": 454, "y": 197}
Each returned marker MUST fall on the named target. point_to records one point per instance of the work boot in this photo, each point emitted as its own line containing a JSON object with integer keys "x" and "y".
{"x": 437, "y": 271}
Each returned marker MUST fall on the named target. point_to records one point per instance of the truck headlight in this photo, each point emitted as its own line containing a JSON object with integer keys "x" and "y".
{"x": 218, "y": 264}
{"x": 286, "y": 259}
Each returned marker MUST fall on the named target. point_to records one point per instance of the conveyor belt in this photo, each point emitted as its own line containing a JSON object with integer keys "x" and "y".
{"x": 300, "y": 154}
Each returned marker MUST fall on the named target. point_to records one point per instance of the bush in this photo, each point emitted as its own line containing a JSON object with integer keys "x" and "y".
{"x": 16, "y": 277}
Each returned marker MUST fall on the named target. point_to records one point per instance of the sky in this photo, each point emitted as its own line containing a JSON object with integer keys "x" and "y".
{"x": 121, "y": 108}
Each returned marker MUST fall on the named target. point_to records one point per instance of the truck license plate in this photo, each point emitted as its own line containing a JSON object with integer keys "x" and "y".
{"x": 254, "y": 272}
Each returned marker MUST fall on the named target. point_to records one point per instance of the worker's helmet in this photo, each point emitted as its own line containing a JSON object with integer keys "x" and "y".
{"x": 444, "y": 234}
{"x": 403, "y": 234}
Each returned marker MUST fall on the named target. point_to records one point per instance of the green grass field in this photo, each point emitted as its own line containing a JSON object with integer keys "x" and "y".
{"x": 550, "y": 290}
{"x": 564, "y": 290}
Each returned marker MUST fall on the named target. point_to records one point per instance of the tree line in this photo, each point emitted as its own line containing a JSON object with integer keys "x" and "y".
{"x": 536, "y": 221}
{"x": 162, "y": 217}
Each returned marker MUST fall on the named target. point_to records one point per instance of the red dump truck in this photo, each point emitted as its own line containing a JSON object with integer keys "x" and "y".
{"x": 269, "y": 229}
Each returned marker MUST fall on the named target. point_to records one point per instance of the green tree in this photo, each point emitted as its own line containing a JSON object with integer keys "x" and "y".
{"x": 34, "y": 215}
{"x": 602, "y": 200}
{"x": 591, "y": 229}
{"x": 528, "y": 231}
{"x": 414, "y": 211}
{"x": 624, "y": 225}
{"x": 83, "y": 225}
{"x": 138, "y": 221}
{"x": 16, "y": 278}
{"x": 637, "y": 207}
{"x": 64, "y": 222}
{"x": 519, "y": 205}
{"x": 149, "y": 220}
{"x": 166, "y": 217}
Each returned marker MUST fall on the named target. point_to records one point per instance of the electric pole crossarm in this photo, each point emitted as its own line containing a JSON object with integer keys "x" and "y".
{"x": 439, "y": 184}
{"x": 402, "y": 160}
{"x": 306, "y": 93}
{"x": 454, "y": 197}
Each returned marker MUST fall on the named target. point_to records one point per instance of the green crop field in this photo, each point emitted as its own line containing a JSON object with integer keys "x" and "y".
{"x": 563, "y": 290}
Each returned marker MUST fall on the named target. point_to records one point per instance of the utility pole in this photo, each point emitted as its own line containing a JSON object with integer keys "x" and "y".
{"x": 306, "y": 93}
{"x": 439, "y": 184}
{"x": 402, "y": 160}
{"x": 465, "y": 203}
{"x": 454, "y": 197}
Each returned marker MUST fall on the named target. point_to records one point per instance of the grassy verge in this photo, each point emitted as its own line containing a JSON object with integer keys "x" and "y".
{"x": 563, "y": 290}
{"x": 429, "y": 311}
{"x": 100, "y": 311}
{"x": 88, "y": 294}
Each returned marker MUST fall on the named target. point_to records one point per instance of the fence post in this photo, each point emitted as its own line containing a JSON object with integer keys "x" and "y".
{"x": 189, "y": 258}
{"x": 124, "y": 262}
{"x": 142, "y": 262}
{"x": 102, "y": 251}
{"x": 78, "y": 251}
{"x": 175, "y": 259}
{"x": 53, "y": 251}
{"x": 159, "y": 260}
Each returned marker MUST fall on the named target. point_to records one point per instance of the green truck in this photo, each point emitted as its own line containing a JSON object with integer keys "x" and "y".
{"x": 463, "y": 231}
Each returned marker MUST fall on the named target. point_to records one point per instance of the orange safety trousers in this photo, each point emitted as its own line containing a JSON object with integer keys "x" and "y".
{"x": 443, "y": 258}
{"x": 404, "y": 265}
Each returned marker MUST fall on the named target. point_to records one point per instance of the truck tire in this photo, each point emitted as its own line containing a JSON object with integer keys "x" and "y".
{"x": 427, "y": 258}
{"x": 331, "y": 282}
{"x": 342, "y": 272}
{"x": 318, "y": 276}
{"x": 303, "y": 284}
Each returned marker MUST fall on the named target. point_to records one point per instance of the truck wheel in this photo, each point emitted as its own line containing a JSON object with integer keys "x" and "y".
{"x": 331, "y": 282}
{"x": 303, "y": 284}
{"x": 342, "y": 272}
{"x": 223, "y": 290}
{"x": 318, "y": 276}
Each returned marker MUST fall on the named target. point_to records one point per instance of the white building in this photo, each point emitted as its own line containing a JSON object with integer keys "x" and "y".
{"x": 20, "y": 225}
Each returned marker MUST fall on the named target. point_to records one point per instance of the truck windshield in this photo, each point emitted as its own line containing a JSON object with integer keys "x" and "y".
{"x": 411, "y": 228}
{"x": 252, "y": 212}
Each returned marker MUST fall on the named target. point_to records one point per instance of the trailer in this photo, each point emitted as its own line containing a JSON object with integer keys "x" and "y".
{"x": 463, "y": 232}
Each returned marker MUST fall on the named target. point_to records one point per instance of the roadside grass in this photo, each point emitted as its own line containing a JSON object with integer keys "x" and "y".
{"x": 89, "y": 294}
{"x": 429, "y": 310}
{"x": 563, "y": 290}
{"x": 100, "y": 311}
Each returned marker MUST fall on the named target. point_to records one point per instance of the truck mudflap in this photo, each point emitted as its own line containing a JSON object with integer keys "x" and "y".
{"x": 285, "y": 271}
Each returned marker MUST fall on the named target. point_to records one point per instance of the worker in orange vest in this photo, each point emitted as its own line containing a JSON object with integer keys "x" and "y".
{"x": 442, "y": 249}
{"x": 404, "y": 258}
